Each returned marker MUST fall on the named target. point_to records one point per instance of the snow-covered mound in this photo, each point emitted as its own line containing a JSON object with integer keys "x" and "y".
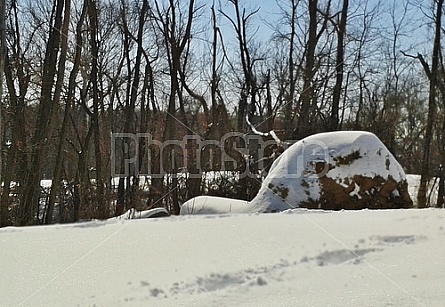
{"x": 212, "y": 205}
{"x": 334, "y": 170}
{"x": 133, "y": 214}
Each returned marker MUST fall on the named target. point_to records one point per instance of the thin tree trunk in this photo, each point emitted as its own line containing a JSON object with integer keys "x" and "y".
{"x": 94, "y": 79}
{"x": 42, "y": 134}
{"x": 3, "y": 205}
{"x": 307, "y": 95}
{"x": 16, "y": 156}
{"x": 290, "y": 96}
{"x": 339, "y": 67}
{"x": 421, "y": 194}
{"x": 13, "y": 155}
{"x": 56, "y": 180}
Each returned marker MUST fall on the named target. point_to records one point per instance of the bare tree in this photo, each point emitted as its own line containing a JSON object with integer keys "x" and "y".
{"x": 307, "y": 94}
{"x": 421, "y": 194}
{"x": 16, "y": 72}
{"x": 288, "y": 60}
{"x": 176, "y": 28}
{"x": 127, "y": 192}
{"x": 249, "y": 89}
{"x": 3, "y": 206}
{"x": 56, "y": 179}
{"x": 339, "y": 66}
{"x": 42, "y": 134}
{"x": 249, "y": 85}
{"x": 95, "y": 118}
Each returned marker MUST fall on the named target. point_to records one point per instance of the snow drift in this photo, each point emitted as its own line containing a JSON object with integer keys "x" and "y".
{"x": 213, "y": 205}
{"x": 133, "y": 214}
{"x": 302, "y": 258}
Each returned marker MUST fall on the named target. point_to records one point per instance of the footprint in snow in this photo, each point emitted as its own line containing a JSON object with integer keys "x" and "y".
{"x": 355, "y": 256}
{"x": 397, "y": 240}
{"x": 343, "y": 256}
{"x": 246, "y": 278}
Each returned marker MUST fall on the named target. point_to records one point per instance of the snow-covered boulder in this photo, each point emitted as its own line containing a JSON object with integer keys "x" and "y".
{"x": 334, "y": 170}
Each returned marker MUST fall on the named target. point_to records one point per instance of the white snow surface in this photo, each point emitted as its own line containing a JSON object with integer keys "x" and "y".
{"x": 132, "y": 214}
{"x": 292, "y": 258}
{"x": 212, "y": 205}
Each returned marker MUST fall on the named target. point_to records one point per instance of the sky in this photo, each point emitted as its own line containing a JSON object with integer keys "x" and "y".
{"x": 412, "y": 33}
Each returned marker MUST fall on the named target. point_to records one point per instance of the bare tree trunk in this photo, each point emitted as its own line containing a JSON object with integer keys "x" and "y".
{"x": 82, "y": 182}
{"x": 307, "y": 95}
{"x": 339, "y": 67}
{"x": 441, "y": 138}
{"x": 269, "y": 108}
{"x": 127, "y": 192}
{"x": 215, "y": 79}
{"x": 42, "y": 134}
{"x": 248, "y": 93}
{"x": 10, "y": 155}
{"x": 15, "y": 157}
{"x": 441, "y": 174}
{"x": 3, "y": 205}
{"x": 421, "y": 194}
{"x": 249, "y": 86}
{"x": 176, "y": 40}
{"x": 94, "y": 79}
{"x": 56, "y": 180}
{"x": 290, "y": 96}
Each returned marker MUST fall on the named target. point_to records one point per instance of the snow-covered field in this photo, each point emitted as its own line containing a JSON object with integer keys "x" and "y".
{"x": 296, "y": 257}
{"x": 292, "y": 258}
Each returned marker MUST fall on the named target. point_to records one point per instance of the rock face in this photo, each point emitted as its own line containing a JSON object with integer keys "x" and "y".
{"x": 335, "y": 170}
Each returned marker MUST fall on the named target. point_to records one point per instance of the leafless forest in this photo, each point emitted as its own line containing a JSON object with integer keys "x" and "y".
{"x": 78, "y": 72}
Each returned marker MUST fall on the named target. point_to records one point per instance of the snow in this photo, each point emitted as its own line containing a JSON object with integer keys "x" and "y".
{"x": 212, "y": 205}
{"x": 205, "y": 257}
{"x": 132, "y": 214}
{"x": 293, "y": 258}
{"x": 294, "y": 177}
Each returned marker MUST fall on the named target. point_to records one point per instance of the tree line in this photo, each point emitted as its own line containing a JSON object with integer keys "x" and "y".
{"x": 76, "y": 72}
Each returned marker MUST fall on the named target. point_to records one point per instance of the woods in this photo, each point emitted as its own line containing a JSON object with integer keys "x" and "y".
{"x": 155, "y": 73}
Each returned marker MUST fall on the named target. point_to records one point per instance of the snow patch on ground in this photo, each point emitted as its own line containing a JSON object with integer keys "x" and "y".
{"x": 295, "y": 258}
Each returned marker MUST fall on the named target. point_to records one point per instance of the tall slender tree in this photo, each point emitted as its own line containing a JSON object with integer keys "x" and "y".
{"x": 339, "y": 66}
{"x": 42, "y": 135}
{"x": 95, "y": 118}
{"x": 3, "y": 205}
{"x": 307, "y": 95}
{"x": 176, "y": 29}
{"x": 56, "y": 179}
{"x": 425, "y": 172}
